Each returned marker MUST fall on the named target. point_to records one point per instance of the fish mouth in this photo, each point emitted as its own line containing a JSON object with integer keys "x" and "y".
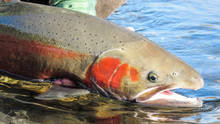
{"x": 166, "y": 98}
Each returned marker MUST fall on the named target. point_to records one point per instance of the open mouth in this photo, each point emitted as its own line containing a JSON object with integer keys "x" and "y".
{"x": 166, "y": 98}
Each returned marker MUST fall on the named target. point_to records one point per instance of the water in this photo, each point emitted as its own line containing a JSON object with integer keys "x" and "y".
{"x": 188, "y": 29}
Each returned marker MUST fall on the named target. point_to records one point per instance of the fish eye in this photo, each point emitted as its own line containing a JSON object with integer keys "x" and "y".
{"x": 152, "y": 77}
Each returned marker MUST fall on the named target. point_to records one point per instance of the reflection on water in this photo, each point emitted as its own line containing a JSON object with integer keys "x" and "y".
{"x": 188, "y": 29}
{"x": 18, "y": 107}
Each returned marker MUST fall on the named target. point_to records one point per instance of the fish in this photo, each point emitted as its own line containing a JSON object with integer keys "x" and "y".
{"x": 73, "y": 50}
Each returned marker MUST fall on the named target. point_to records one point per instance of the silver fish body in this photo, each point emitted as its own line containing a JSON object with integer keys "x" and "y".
{"x": 38, "y": 41}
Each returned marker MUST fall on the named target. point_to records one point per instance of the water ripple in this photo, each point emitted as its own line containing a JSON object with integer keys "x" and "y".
{"x": 188, "y": 29}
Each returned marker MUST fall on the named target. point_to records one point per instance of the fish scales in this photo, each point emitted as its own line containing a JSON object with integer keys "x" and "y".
{"x": 64, "y": 29}
{"x": 71, "y": 30}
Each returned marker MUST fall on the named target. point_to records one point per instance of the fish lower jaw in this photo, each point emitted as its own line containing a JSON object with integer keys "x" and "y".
{"x": 167, "y": 98}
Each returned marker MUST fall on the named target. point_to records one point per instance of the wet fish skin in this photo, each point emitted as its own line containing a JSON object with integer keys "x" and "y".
{"x": 47, "y": 42}
{"x": 56, "y": 28}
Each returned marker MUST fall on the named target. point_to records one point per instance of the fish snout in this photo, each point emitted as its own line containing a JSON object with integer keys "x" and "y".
{"x": 192, "y": 82}
{"x": 198, "y": 82}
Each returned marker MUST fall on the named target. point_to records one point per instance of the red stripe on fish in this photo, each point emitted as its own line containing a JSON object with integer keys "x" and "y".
{"x": 34, "y": 59}
{"x": 35, "y": 47}
{"x": 103, "y": 70}
{"x": 118, "y": 76}
{"x": 134, "y": 74}
{"x": 109, "y": 72}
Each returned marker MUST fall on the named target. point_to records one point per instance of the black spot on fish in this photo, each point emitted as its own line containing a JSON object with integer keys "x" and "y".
{"x": 77, "y": 38}
{"x": 96, "y": 35}
{"x": 54, "y": 41}
{"x": 89, "y": 49}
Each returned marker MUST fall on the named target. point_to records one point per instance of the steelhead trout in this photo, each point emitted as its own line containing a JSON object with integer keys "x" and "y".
{"x": 73, "y": 49}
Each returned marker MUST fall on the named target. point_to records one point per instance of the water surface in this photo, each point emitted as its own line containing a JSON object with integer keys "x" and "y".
{"x": 188, "y": 29}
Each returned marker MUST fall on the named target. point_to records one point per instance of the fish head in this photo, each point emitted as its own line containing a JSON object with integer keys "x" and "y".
{"x": 143, "y": 72}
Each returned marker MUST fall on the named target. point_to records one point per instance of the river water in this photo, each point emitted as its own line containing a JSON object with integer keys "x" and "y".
{"x": 188, "y": 29}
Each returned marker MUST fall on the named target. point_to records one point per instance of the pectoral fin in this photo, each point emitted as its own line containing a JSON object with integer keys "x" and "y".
{"x": 61, "y": 93}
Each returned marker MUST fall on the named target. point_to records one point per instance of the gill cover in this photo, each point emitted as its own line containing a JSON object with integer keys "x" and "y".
{"x": 111, "y": 71}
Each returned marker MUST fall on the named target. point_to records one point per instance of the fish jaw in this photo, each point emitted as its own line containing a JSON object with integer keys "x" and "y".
{"x": 166, "y": 98}
{"x": 162, "y": 95}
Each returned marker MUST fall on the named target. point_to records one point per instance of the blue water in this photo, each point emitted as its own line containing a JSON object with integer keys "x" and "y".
{"x": 189, "y": 29}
